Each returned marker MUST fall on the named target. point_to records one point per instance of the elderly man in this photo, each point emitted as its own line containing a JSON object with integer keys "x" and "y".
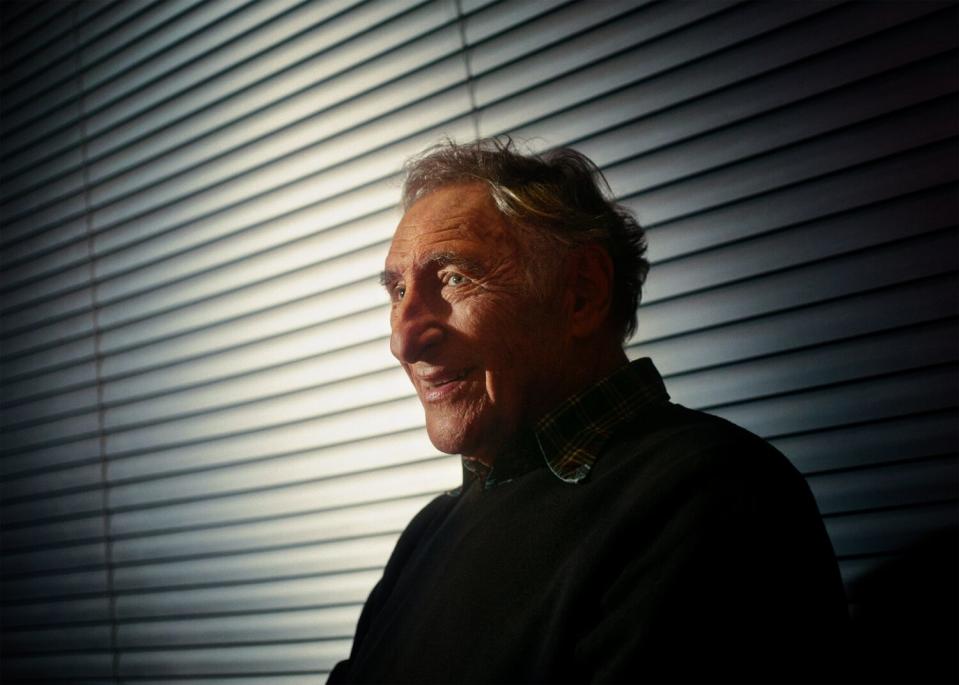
{"x": 601, "y": 533}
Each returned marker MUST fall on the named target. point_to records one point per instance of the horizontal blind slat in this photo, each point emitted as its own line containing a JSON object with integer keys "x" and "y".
{"x": 889, "y": 485}
{"x": 367, "y": 519}
{"x": 912, "y": 437}
{"x": 931, "y": 389}
{"x": 281, "y": 626}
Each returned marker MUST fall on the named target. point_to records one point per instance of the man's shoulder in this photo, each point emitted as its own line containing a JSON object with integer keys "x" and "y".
{"x": 674, "y": 463}
{"x": 672, "y": 438}
{"x": 673, "y": 426}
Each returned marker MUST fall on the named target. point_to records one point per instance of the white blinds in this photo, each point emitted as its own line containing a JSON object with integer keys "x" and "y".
{"x": 208, "y": 451}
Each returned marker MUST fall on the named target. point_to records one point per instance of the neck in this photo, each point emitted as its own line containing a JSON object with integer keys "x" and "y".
{"x": 595, "y": 359}
{"x": 586, "y": 363}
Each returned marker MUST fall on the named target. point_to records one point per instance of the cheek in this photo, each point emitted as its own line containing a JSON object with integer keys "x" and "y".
{"x": 505, "y": 317}
{"x": 517, "y": 350}
{"x": 510, "y": 334}
{"x": 499, "y": 330}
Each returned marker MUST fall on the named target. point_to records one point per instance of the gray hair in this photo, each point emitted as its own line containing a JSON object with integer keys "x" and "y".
{"x": 558, "y": 196}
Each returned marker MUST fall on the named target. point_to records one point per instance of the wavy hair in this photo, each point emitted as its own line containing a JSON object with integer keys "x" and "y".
{"x": 560, "y": 196}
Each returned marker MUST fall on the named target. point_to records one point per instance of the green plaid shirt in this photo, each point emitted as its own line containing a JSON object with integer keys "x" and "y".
{"x": 570, "y": 438}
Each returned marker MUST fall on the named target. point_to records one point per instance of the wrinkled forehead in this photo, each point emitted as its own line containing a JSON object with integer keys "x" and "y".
{"x": 453, "y": 219}
{"x": 413, "y": 230}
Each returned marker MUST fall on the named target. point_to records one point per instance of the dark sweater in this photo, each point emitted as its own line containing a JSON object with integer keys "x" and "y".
{"x": 693, "y": 552}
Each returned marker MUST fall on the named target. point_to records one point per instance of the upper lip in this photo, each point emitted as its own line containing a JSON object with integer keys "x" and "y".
{"x": 435, "y": 377}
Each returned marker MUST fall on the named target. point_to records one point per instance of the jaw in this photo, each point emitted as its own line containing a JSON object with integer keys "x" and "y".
{"x": 466, "y": 424}
{"x": 452, "y": 432}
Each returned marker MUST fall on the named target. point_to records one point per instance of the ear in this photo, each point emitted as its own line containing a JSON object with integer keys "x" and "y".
{"x": 590, "y": 289}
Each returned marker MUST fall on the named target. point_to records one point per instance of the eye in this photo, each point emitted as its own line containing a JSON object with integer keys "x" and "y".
{"x": 456, "y": 279}
{"x": 399, "y": 292}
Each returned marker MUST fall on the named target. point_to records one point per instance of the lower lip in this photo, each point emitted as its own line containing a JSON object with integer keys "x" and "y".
{"x": 445, "y": 391}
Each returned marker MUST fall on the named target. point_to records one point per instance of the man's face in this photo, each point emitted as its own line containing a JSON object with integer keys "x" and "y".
{"x": 483, "y": 352}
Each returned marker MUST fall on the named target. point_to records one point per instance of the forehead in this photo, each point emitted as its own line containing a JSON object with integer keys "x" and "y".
{"x": 453, "y": 218}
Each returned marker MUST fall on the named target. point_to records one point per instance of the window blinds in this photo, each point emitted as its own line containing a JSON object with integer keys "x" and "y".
{"x": 208, "y": 451}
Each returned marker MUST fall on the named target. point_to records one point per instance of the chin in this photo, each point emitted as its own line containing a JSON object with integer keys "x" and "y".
{"x": 451, "y": 438}
{"x": 443, "y": 440}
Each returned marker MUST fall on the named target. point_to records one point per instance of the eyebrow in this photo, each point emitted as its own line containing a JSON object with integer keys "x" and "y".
{"x": 442, "y": 259}
{"x": 389, "y": 277}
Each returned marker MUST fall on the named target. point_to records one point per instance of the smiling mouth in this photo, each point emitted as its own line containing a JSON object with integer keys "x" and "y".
{"x": 440, "y": 387}
{"x": 440, "y": 382}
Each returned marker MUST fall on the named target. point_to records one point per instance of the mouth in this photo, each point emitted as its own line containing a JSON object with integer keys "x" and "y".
{"x": 442, "y": 384}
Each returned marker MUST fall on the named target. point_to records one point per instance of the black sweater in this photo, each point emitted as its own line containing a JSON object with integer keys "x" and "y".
{"x": 692, "y": 552}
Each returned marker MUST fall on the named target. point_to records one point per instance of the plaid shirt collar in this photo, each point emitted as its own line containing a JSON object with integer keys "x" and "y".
{"x": 570, "y": 438}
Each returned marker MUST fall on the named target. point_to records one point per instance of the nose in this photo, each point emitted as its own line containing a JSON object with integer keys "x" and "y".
{"x": 416, "y": 328}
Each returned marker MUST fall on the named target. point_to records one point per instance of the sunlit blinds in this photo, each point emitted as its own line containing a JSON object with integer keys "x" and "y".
{"x": 208, "y": 451}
